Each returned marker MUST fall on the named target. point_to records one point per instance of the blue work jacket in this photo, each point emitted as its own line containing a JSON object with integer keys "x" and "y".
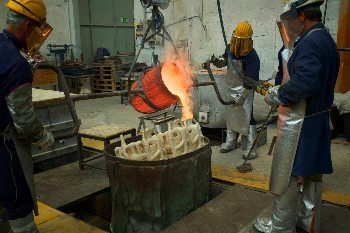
{"x": 14, "y": 72}
{"x": 313, "y": 68}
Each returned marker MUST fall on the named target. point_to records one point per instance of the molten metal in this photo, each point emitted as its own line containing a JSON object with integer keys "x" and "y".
{"x": 165, "y": 85}
{"x": 178, "y": 78}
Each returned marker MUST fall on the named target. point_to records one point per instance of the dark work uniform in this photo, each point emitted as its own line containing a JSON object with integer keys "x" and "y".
{"x": 313, "y": 69}
{"x": 14, "y": 72}
{"x": 279, "y": 75}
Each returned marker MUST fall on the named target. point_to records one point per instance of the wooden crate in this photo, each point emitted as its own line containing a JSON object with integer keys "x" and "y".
{"x": 106, "y": 78}
{"x": 44, "y": 77}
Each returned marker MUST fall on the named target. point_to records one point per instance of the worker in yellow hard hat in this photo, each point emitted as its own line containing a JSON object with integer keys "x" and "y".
{"x": 239, "y": 117}
{"x": 20, "y": 127}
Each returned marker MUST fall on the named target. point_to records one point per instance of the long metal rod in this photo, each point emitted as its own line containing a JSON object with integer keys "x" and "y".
{"x": 63, "y": 84}
{"x": 325, "y": 12}
{"x": 344, "y": 49}
{"x": 212, "y": 82}
{"x": 103, "y": 95}
{"x": 185, "y": 19}
{"x": 143, "y": 42}
{"x": 257, "y": 136}
{"x": 110, "y": 26}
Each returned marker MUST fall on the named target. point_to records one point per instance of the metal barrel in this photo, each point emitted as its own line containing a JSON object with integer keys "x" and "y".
{"x": 148, "y": 196}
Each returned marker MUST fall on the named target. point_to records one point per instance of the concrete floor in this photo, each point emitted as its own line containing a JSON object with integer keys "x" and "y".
{"x": 236, "y": 209}
{"x": 232, "y": 211}
{"x": 109, "y": 110}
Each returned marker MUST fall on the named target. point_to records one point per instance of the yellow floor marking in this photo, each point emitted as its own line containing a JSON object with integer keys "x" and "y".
{"x": 54, "y": 221}
{"x": 229, "y": 174}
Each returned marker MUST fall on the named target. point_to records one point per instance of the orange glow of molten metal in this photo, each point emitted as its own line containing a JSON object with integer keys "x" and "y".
{"x": 178, "y": 78}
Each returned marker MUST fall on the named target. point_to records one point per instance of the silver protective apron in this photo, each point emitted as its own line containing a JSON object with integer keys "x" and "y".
{"x": 23, "y": 148}
{"x": 289, "y": 124}
{"x": 237, "y": 116}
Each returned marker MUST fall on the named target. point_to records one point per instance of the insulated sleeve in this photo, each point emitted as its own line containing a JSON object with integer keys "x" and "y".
{"x": 25, "y": 120}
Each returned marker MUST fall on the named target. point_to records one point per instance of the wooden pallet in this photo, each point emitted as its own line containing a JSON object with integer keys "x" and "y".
{"x": 44, "y": 77}
{"x": 106, "y": 77}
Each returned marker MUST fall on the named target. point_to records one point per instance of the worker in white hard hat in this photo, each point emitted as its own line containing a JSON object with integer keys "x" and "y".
{"x": 239, "y": 116}
{"x": 20, "y": 127}
{"x": 302, "y": 150}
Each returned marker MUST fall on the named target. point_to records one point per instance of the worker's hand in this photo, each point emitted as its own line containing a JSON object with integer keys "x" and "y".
{"x": 219, "y": 62}
{"x": 205, "y": 64}
{"x": 271, "y": 97}
{"x": 239, "y": 95}
{"x": 46, "y": 141}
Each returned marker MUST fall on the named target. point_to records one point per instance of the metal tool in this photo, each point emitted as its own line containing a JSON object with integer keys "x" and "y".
{"x": 158, "y": 28}
{"x": 247, "y": 167}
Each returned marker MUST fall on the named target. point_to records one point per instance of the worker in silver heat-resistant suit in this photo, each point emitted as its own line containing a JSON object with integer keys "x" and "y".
{"x": 239, "y": 116}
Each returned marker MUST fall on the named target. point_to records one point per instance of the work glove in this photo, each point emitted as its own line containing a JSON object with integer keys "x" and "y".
{"x": 218, "y": 62}
{"x": 46, "y": 141}
{"x": 271, "y": 97}
{"x": 240, "y": 94}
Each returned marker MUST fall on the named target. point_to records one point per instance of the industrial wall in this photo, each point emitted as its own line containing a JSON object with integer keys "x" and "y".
{"x": 201, "y": 35}
{"x": 59, "y": 16}
{"x": 198, "y": 32}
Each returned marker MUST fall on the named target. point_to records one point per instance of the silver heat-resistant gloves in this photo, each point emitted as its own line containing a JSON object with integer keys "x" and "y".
{"x": 271, "y": 97}
{"x": 239, "y": 95}
{"x": 25, "y": 120}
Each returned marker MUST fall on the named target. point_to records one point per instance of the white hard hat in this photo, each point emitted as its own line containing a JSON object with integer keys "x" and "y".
{"x": 303, "y": 3}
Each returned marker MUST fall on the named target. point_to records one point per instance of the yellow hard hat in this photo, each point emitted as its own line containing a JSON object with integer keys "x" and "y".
{"x": 241, "y": 42}
{"x": 33, "y": 9}
{"x": 243, "y": 30}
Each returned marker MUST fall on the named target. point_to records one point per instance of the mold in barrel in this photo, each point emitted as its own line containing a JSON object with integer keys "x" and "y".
{"x": 148, "y": 196}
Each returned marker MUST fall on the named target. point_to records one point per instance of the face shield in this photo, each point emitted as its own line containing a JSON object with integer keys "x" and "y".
{"x": 290, "y": 26}
{"x": 241, "y": 46}
{"x": 37, "y": 38}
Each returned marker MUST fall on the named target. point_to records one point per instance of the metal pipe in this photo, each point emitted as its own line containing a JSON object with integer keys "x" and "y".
{"x": 325, "y": 12}
{"x": 143, "y": 41}
{"x": 213, "y": 83}
{"x": 189, "y": 18}
{"x": 344, "y": 49}
{"x": 64, "y": 86}
{"x": 203, "y": 84}
{"x": 216, "y": 88}
{"x": 104, "y": 95}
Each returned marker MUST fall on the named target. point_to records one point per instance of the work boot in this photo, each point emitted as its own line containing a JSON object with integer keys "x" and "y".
{"x": 24, "y": 225}
{"x": 263, "y": 224}
{"x": 310, "y": 205}
{"x": 249, "y": 142}
{"x": 231, "y": 142}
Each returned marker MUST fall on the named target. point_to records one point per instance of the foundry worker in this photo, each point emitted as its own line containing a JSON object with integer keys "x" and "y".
{"x": 239, "y": 116}
{"x": 26, "y": 30}
{"x": 302, "y": 151}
